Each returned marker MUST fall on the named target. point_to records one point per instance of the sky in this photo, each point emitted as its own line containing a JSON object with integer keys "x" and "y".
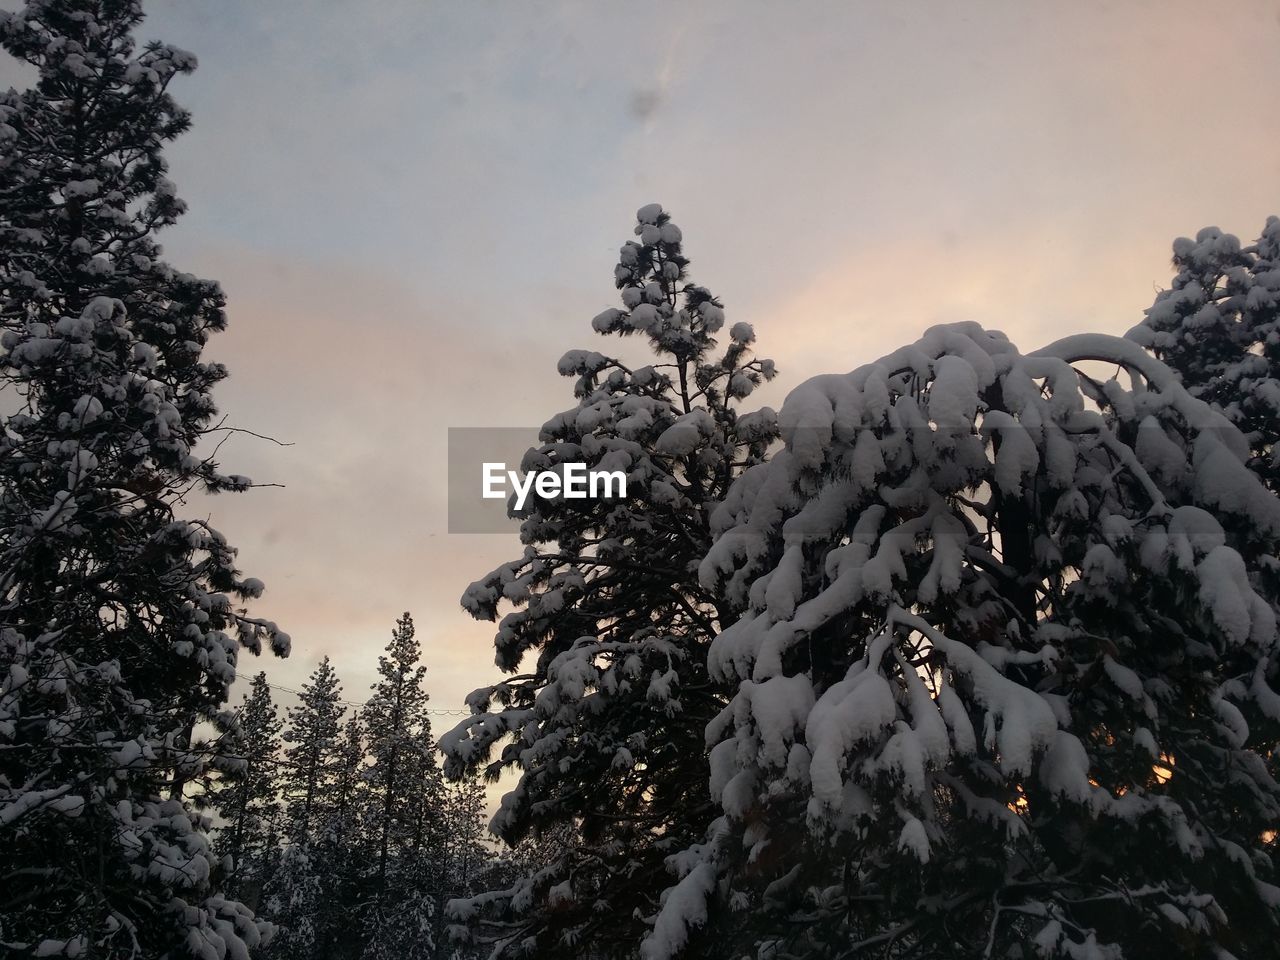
{"x": 415, "y": 208}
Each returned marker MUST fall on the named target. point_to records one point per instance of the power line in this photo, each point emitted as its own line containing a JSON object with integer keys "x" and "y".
{"x": 361, "y": 703}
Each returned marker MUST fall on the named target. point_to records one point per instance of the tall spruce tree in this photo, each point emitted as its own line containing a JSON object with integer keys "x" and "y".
{"x": 399, "y": 730}
{"x": 463, "y": 848}
{"x": 343, "y": 826}
{"x": 603, "y": 715}
{"x": 119, "y": 621}
{"x": 463, "y": 858}
{"x": 311, "y": 754}
{"x": 321, "y": 878}
{"x": 406, "y": 805}
{"x": 295, "y": 898}
{"x": 1008, "y": 674}
{"x": 342, "y": 849}
{"x": 248, "y": 797}
{"x": 298, "y": 891}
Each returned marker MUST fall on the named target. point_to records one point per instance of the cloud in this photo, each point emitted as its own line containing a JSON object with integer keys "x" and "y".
{"x": 363, "y": 380}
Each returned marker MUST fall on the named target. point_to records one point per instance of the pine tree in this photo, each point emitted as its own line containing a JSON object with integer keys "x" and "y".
{"x": 296, "y": 898}
{"x": 330, "y": 891}
{"x": 342, "y": 846}
{"x": 604, "y": 713}
{"x": 1007, "y": 677}
{"x": 119, "y": 624}
{"x": 311, "y": 755}
{"x": 463, "y": 861}
{"x": 399, "y": 741}
{"x": 464, "y": 851}
{"x": 248, "y": 799}
{"x": 1218, "y": 326}
{"x": 406, "y": 804}
{"x": 343, "y": 825}
{"x": 297, "y": 895}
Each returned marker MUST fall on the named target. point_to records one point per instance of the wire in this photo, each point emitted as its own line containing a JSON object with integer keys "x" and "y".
{"x": 357, "y": 704}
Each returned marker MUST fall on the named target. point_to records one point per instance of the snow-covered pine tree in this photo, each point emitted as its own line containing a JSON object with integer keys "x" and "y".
{"x": 603, "y": 714}
{"x": 342, "y": 849}
{"x": 295, "y": 898}
{"x": 400, "y": 747}
{"x": 344, "y": 825}
{"x": 1004, "y": 683}
{"x": 248, "y": 797}
{"x": 464, "y": 851}
{"x": 406, "y": 809}
{"x": 311, "y": 755}
{"x": 119, "y": 624}
{"x": 463, "y": 860}
{"x": 297, "y": 894}
{"x": 1218, "y": 326}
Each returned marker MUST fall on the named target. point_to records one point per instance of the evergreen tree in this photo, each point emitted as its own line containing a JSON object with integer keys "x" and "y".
{"x": 603, "y": 715}
{"x": 326, "y": 886}
{"x": 343, "y": 825}
{"x": 248, "y": 798}
{"x": 464, "y": 851}
{"x": 1218, "y": 326}
{"x": 342, "y": 847}
{"x": 311, "y": 755}
{"x": 119, "y": 624}
{"x": 399, "y": 745}
{"x": 464, "y": 860}
{"x": 1007, "y": 677}
{"x": 406, "y": 804}
{"x": 297, "y": 895}
{"x": 295, "y": 898}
